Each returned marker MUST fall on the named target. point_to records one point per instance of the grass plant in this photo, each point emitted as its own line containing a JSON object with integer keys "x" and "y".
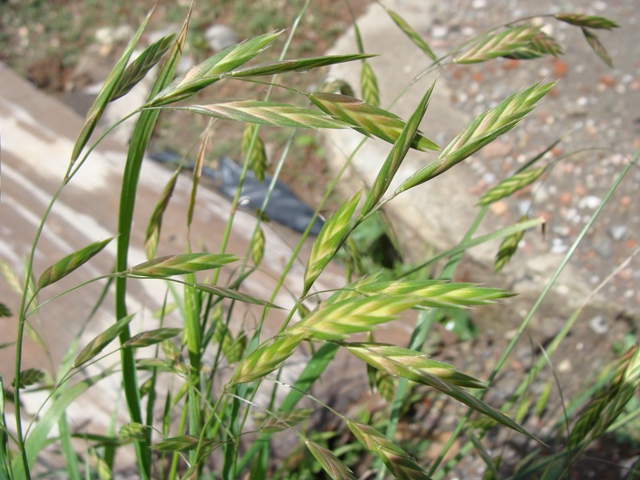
{"x": 202, "y": 430}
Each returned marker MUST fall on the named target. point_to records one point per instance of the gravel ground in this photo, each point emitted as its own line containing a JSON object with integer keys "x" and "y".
{"x": 594, "y": 106}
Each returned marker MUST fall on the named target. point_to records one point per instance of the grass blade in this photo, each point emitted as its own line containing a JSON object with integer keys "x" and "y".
{"x": 234, "y": 295}
{"x": 296, "y": 65}
{"x": 68, "y": 264}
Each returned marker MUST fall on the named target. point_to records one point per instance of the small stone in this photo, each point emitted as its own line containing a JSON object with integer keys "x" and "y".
{"x": 496, "y": 149}
{"x": 599, "y": 325}
{"x": 582, "y": 101}
{"x": 498, "y": 208}
{"x": 604, "y": 248}
{"x": 590, "y": 202}
{"x": 618, "y": 232}
{"x": 524, "y": 206}
{"x": 479, "y": 3}
{"x": 564, "y": 366}
{"x": 109, "y": 36}
{"x": 565, "y": 198}
{"x": 439, "y": 31}
{"x": 220, "y": 36}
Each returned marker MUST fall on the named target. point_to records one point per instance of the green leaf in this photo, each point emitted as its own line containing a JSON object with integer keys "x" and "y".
{"x": 182, "y": 264}
{"x": 297, "y": 65}
{"x": 68, "y": 264}
{"x": 597, "y": 46}
{"x": 152, "y": 337}
{"x": 29, "y": 377}
{"x": 95, "y": 346}
{"x": 233, "y": 294}
{"x": 139, "y": 68}
{"x": 588, "y": 21}
{"x": 411, "y": 33}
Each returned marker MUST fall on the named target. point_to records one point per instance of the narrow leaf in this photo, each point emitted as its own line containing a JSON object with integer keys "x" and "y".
{"x": 330, "y": 239}
{"x": 588, "y": 21}
{"x": 29, "y": 377}
{"x": 139, "y": 68}
{"x": 152, "y": 236}
{"x": 152, "y": 337}
{"x": 596, "y": 45}
{"x": 296, "y": 65}
{"x": 367, "y": 119}
{"x": 68, "y": 264}
{"x": 411, "y": 33}
{"x": 266, "y": 113}
{"x": 95, "y": 346}
{"x": 233, "y": 294}
{"x": 182, "y": 264}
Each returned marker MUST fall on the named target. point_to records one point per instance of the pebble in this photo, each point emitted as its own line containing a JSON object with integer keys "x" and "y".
{"x": 604, "y": 248}
{"x": 599, "y": 325}
{"x": 220, "y": 36}
{"x": 590, "y": 202}
{"x": 618, "y": 232}
{"x": 109, "y": 36}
